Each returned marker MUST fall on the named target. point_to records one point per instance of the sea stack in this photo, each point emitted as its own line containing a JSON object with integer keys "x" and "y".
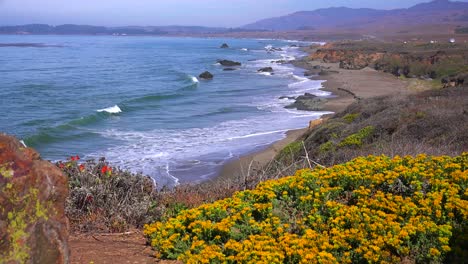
{"x": 206, "y": 75}
{"x": 266, "y": 69}
{"x": 224, "y": 46}
{"x": 229, "y": 63}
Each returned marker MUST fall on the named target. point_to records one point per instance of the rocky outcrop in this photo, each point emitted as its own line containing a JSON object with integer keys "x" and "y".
{"x": 313, "y": 70}
{"x": 224, "y": 46}
{"x": 348, "y": 59}
{"x": 33, "y": 225}
{"x": 454, "y": 81}
{"x": 229, "y": 63}
{"x": 314, "y": 123}
{"x": 411, "y": 62}
{"x": 273, "y": 49}
{"x": 308, "y": 102}
{"x": 287, "y": 97}
{"x": 206, "y": 75}
{"x": 265, "y": 69}
{"x": 229, "y": 69}
{"x": 280, "y": 61}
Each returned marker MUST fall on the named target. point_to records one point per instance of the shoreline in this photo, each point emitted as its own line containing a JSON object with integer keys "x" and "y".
{"x": 347, "y": 87}
{"x": 256, "y": 160}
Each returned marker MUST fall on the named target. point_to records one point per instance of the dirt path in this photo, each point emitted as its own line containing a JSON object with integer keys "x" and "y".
{"x": 111, "y": 249}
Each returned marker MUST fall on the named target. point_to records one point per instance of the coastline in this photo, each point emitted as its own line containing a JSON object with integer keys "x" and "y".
{"x": 346, "y": 86}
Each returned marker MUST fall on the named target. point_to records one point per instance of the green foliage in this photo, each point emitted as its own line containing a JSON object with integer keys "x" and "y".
{"x": 109, "y": 199}
{"x": 291, "y": 151}
{"x": 462, "y": 30}
{"x": 351, "y": 117}
{"x": 327, "y": 147}
{"x": 420, "y": 114}
{"x": 368, "y": 210}
{"x": 356, "y": 140}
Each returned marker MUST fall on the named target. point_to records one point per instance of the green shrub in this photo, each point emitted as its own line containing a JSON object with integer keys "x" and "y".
{"x": 291, "y": 151}
{"x": 357, "y": 139}
{"x": 368, "y": 210}
{"x": 107, "y": 198}
{"x": 351, "y": 117}
{"x": 326, "y": 147}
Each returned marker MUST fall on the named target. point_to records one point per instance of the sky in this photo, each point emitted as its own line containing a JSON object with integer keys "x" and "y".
{"x": 222, "y": 13}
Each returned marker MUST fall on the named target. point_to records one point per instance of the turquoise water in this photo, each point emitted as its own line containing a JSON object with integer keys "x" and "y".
{"x": 137, "y": 102}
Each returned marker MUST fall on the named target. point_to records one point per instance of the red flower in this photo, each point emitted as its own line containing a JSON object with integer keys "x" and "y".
{"x": 82, "y": 167}
{"x": 106, "y": 170}
{"x": 61, "y": 165}
{"x": 75, "y": 158}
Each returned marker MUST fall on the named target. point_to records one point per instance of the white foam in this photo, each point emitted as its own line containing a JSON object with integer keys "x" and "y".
{"x": 259, "y": 134}
{"x": 111, "y": 110}
{"x": 194, "y": 79}
{"x": 22, "y": 143}
{"x": 244, "y": 49}
{"x": 265, "y": 73}
{"x": 159, "y": 152}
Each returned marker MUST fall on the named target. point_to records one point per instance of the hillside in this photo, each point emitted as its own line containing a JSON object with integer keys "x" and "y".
{"x": 370, "y": 20}
{"x": 368, "y": 210}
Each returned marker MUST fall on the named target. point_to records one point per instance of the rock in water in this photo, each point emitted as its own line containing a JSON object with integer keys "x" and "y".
{"x": 33, "y": 225}
{"x": 229, "y": 63}
{"x": 206, "y": 75}
{"x": 229, "y": 69}
{"x": 266, "y": 69}
{"x": 224, "y": 46}
{"x": 287, "y": 97}
{"x": 308, "y": 102}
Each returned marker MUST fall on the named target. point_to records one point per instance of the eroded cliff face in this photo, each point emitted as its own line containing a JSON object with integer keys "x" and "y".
{"x": 33, "y": 225}
{"x": 348, "y": 59}
{"x": 416, "y": 61}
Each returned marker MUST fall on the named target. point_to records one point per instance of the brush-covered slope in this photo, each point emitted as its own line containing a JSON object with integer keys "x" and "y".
{"x": 368, "y": 210}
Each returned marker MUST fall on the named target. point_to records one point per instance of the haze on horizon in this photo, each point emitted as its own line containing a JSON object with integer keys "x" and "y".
{"x": 213, "y": 13}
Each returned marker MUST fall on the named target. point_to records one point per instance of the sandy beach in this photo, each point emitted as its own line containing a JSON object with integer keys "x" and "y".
{"x": 346, "y": 85}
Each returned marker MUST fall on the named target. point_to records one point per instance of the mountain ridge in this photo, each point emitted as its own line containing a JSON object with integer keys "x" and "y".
{"x": 438, "y": 11}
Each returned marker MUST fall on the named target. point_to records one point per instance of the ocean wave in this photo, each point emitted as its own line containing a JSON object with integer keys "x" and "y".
{"x": 193, "y": 79}
{"x": 57, "y": 134}
{"x": 156, "y": 97}
{"x": 259, "y": 134}
{"x": 244, "y": 49}
{"x": 111, "y": 110}
{"x": 306, "y": 85}
{"x": 265, "y": 73}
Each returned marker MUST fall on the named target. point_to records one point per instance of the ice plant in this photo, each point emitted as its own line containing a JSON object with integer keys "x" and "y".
{"x": 82, "y": 167}
{"x": 106, "y": 170}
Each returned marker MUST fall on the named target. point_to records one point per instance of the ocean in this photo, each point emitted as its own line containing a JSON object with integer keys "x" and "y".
{"x": 137, "y": 101}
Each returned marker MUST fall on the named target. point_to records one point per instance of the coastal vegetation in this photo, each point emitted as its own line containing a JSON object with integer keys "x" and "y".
{"x": 103, "y": 198}
{"x": 427, "y": 60}
{"x": 361, "y": 191}
{"x": 368, "y": 210}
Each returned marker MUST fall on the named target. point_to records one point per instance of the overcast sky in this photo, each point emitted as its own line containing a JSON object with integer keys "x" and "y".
{"x": 225, "y": 13}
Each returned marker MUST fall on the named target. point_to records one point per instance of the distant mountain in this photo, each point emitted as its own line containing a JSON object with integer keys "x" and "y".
{"x": 70, "y": 29}
{"x": 435, "y": 12}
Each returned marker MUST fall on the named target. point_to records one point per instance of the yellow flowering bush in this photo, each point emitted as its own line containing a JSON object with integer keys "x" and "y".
{"x": 369, "y": 210}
